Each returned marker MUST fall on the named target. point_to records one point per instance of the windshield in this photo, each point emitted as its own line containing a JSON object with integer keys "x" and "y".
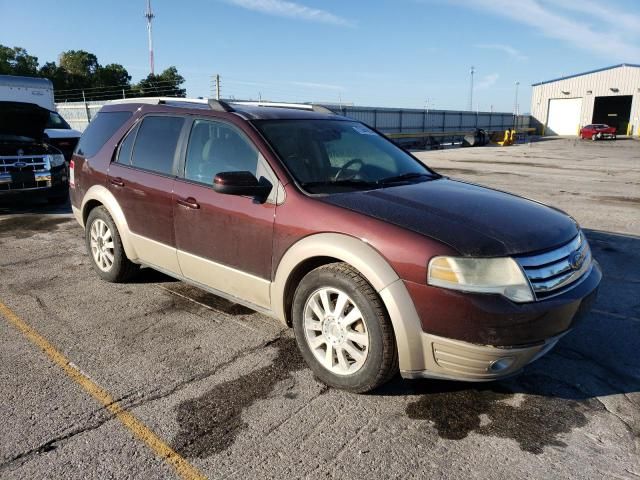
{"x": 330, "y": 156}
{"x": 56, "y": 121}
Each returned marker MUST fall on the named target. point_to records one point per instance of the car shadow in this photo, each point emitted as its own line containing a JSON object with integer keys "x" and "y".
{"x": 149, "y": 275}
{"x": 21, "y": 204}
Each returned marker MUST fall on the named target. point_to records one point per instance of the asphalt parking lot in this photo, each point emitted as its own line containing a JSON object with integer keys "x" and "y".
{"x": 157, "y": 379}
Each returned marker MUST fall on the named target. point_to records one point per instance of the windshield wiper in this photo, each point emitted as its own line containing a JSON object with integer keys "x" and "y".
{"x": 403, "y": 178}
{"x": 346, "y": 182}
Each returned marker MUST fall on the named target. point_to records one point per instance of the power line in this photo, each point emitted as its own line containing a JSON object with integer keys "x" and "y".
{"x": 121, "y": 86}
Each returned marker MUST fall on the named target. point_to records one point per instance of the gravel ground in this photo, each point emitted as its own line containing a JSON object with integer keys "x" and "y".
{"x": 225, "y": 388}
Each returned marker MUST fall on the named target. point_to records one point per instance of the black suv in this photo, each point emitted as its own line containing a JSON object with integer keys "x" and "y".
{"x": 27, "y": 163}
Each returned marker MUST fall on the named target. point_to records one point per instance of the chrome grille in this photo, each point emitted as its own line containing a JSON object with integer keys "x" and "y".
{"x": 552, "y": 273}
{"x": 29, "y": 164}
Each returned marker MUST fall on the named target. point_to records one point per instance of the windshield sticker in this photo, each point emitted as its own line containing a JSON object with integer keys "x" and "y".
{"x": 362, "y": 130}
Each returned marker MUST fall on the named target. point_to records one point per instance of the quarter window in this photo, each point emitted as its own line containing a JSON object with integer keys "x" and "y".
{"x": 216, "y": 147}
{"x": 101, "y": 129}
{"x": 155, "y": 144}
{"x": 126, "y": 147}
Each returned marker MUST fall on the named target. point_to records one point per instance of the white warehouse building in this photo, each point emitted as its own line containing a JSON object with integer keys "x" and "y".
{"x": 608, "y": 95}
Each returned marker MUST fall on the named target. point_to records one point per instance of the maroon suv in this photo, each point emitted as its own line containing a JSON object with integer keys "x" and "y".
{"x": 377, "y": 262}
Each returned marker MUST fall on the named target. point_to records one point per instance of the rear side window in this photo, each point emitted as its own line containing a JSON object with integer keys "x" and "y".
{"x": 101, "y": 129}
{"x": 156, "y": 144}
{"x": 126, "y": 147}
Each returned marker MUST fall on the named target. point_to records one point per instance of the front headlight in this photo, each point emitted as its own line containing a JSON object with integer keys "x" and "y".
{"x": 55, "y": 160}
{"x": 482, "y": 275}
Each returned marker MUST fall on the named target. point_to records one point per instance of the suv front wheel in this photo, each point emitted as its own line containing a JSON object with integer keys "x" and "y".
{"x": 104, "y": 245}
{"x": 343, "y": 330}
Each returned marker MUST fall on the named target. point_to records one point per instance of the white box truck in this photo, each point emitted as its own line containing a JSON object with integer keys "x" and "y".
{"x": 39, "y": 91}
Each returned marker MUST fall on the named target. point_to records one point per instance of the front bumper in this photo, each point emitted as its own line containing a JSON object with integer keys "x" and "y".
{"x": 495, "y": 320}
{"x": 53, "y": 180}
{"x": 450, "y": 359}
{"x": 486, "y": 337}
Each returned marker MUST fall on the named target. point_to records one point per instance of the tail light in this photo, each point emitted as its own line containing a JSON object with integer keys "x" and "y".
{"x": 72, "y": 177}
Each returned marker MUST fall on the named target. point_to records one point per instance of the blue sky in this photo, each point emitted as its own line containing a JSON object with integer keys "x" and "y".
{"x": 395, "y": 53}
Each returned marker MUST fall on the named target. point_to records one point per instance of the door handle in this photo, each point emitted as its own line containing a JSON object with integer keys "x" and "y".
{"x": 189, "y": 202}
{"x": 117, "y": 181}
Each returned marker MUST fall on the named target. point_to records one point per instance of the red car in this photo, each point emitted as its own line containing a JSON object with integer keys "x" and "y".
{"x": 378, "y": 263}
{"x": 598, "y": 131}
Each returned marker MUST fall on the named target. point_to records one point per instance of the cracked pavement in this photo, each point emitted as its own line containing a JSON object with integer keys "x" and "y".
{"x": 225, "y": 387}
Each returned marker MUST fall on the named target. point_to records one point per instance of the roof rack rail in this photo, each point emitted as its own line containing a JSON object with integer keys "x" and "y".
{"x": 219, "y": 105}
{"x": 211, "y": 103}
{"x": 298, "y": 106}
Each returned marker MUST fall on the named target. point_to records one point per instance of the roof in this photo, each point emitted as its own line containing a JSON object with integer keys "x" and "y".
{"x": 246, "y": 110}
{"x": 254, "y": 112}
{"x": 587, "y": 73}
{"x": 29, "y": 82}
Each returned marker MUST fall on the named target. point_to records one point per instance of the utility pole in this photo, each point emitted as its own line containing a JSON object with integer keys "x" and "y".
{"x": 150, "y": 16}
{"x": 515, "y": 107}
{"x": 217, "y": 86}
{"x": 472, "y": 71}
{"x": 426, "y": 114}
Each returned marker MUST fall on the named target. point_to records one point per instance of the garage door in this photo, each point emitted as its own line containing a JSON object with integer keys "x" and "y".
{"x": 564, "y": 116}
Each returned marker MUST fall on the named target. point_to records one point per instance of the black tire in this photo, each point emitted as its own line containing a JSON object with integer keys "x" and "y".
{"x": 122, "y": 269}
{"x": 381, "y": 363}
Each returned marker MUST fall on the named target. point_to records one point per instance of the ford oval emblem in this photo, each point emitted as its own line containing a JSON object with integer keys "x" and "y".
{"x": 576, "y": 259}
{"x": 19, "y": 164}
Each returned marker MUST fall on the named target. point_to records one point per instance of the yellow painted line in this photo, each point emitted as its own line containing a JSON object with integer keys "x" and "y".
{"x": 184, "y": 469}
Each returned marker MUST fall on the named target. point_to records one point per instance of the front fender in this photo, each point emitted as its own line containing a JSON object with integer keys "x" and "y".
{"x": 373, "y": 266}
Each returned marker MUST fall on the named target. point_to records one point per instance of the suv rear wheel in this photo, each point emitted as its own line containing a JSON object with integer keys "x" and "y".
{"x": 342, "y": 329}
{"x": 104, "y": 245}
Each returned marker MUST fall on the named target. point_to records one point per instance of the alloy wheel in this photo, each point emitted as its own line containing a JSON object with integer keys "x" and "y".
{"x": 336, "y": 331}
{"x": 102, "y": 247}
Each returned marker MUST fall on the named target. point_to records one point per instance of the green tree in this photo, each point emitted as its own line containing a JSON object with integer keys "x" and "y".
{"x": 56, "y": 74}
{"x": 113, "y": 75}
{"x": 78, "y": 75}
{"x": 79, "y": 62}
{"x": 16, "y": 61}
{"x": 80, "y": 69}
{"x": 168, "y": 83}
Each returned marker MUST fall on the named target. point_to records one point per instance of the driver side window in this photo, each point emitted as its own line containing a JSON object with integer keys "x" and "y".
{"x": 216, "y": 147}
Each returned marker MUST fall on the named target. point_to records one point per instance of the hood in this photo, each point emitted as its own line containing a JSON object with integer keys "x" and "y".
{"x": 23, "y": 119}
{"x": 474, "y": 220}
{"x": 62, "y": 133}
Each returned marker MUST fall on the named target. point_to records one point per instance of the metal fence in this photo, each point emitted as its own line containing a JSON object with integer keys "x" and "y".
{"x": 79, "y": 114}
{"x": 387, "y": 120}
{"x": 410, "y": 120}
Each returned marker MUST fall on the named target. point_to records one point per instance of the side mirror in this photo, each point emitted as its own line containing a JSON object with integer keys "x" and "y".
{"x": 241, "y": 183}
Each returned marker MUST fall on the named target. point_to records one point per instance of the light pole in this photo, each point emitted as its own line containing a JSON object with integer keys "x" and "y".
{"x": 515, "y": 106}
{"x": 426, "y": 114}
{"x": 472, "y": 71}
